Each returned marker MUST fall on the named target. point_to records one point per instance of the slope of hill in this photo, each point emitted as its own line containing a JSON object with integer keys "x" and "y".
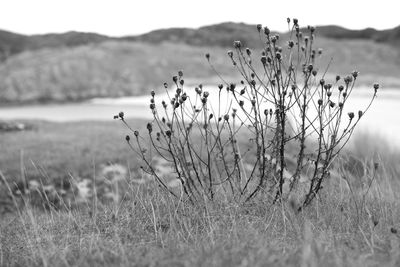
{"x": 391, "y": 36}
{"x": 225, "y": 33}
{"x": 96, "y": 70}
{"x": 116, "y": 68}
{"x": 12, "y": 43}
{"x": 222, "y": 35}
{"x": 77, "y": 66}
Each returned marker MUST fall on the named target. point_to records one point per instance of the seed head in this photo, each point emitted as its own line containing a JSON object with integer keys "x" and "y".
{"x": 165, "y": 85}
{"x": 360, "y": 113}
{"x": 136, "y": 133}
{"x": 337, "y": 78}
{"x": 341, "y": 88}
{"x": 206, "y": 94}
{"x": 355, "y": 74}
{"x": 320, "y": 102}
{"x": 184, "y": 97}
{"x": 393, "y": 230}
{"x": 237, "y": 44}
{"x": 266, "y": 31}
{"x": 241, "y": 103}
{"x": 259, "y": 27}
{"x": 127, "y": 138}
{"x": 310, "y": 67}
{"x": 314, "y": 73}
{"x": 182, "y": 82}
{"x": 168, "y": 133}
{"x": 248, "y": 51}
{"x": 351, "y": 115}
{"x": 152, "y": 106}
{"x": 226, "y": 117}
{"x": 180, "y": 73}
{"x": 296, "y": 21}
{"x": 121, "y": 115}
{"x": 348, "y": 79}
{"x": 264, "y": 60}
{"x": 207, "y": 56}
{"x": 322, "y": 82}
{"x": 149, "y": 127}
{"x": 230, "y": 53}
{"x": 376, "y": 87}
{"x": 332, "y": 104}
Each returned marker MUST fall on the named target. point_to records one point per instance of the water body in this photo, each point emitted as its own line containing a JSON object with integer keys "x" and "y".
{"x": 383, "y": 118}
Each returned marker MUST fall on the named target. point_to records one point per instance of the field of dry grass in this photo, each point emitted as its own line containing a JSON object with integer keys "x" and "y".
{"x": 354, "y": 221}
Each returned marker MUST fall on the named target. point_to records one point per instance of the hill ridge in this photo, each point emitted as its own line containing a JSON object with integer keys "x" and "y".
{"x": 221, "y": 34}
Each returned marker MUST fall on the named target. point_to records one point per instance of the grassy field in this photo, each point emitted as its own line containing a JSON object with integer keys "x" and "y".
{"x": 63, "y": 148}
{"x": 350, "y": 224}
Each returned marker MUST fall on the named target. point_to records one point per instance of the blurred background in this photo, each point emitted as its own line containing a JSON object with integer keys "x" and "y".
{"x": 66, "y": 67}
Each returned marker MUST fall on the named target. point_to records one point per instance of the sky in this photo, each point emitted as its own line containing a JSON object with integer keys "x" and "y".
{"x": 130, "y": 17}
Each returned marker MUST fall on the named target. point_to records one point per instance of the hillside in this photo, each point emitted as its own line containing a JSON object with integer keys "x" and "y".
{"x": 391, "y": 36}
{"x": 77, "y": 66}
{"x": 222, "y": 35}
{"x": 13, "y": 43}
{"x": 225, "y": 33}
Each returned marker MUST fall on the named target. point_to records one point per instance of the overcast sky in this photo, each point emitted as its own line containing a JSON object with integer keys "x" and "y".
{"x": 126, "y": 17}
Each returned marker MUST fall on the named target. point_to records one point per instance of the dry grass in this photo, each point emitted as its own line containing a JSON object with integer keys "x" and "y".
{"x": 149, "y": 228}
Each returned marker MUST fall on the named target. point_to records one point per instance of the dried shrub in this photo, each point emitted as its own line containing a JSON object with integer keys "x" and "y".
{"x": 283, "y": 125}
